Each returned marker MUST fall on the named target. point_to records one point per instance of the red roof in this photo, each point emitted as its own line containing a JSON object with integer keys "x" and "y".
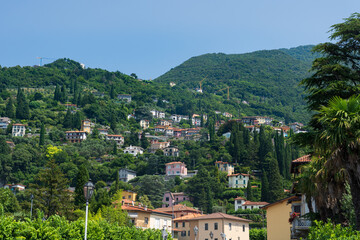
{"x": 249, "y": 203}
{"x": 237, "y": 174}
{"x": 219, "y": 215}
{"x": 303, "y": 159}
{"x": 113, "y": 135}
{"x": 75, "y": 132}
{"x": 174, "y": 163}
{"x": 142, "y": 209}
{"x": 240, "y": 198}
{"x": 178, "y": 208}
{"x": 18, "y": 124}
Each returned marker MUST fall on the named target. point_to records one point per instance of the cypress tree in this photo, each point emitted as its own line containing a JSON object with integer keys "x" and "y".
{"x": 77, "y": 121}
{"x": 115, "y": 148}
{"x": 68, "y": 119}
{"x": 42, "y": 135}
{"x": 112, "y": 92}
{"x": 275, "y": 181}
{"x": 57, "y": 93}
{"x": 113, "y": 122}
{"x": 22, "y": 108}
{"x": 264, "y": 187}
{"x": 209, "y": 200}
{"x": 63, "y": 94}
{"x": 72, "y": 86}
{"x": 144, "y": 141}
{"x": 81, "y": 178}
{"x": 249, "y": 193}
{"x": 10, "y": 109}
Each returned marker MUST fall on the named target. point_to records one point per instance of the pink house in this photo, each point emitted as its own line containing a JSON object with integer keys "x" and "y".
{"x": 171, "y": 199}
{"x": 175, "y": 169}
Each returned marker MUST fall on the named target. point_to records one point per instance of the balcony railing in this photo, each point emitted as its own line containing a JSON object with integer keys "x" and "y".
{"x": 301, "y": 223}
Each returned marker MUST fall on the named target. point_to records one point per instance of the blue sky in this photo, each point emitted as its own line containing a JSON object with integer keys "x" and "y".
{"x": 151, "y": 37}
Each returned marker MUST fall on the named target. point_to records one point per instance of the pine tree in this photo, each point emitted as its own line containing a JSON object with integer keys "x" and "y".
{"x": 81, "y": 178}
{"x": 276, "y": 189}
{"x": 264, "y": 187}
{"x": 42, "y": 135}
{"x": 10, "y": 109}
{"x": 51, "y": 194}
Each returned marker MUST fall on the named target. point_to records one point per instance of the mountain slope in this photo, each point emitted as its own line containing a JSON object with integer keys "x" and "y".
{"x": 267, "y": 80}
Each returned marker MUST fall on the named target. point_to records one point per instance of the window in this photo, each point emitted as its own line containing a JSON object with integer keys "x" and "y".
{"x": 188, "y": 233}
{"x": 157, "y": 223}
{"x": 129, "y": 196}
{"x": 229, "y": 226}
{"x": 215, "y": 226}
{"x": 243, "y": 228}
{"x": 167, "y": 199}
{"x": 183, "y": 224}
{"x": 146, "y": 220}
{"x": 297, "y": 209}
{"x": 206, "y": 226}
{"x": 245, "y": 182}
{"x": 236, "y": 182}
{"x": 169, "y": 167}
{"x": 177, "y": 224}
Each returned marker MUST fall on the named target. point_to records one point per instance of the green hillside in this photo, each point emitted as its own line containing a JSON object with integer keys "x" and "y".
{"x": 266, "y": 80}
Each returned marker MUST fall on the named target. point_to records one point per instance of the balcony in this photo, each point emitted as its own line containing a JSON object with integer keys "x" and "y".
{"x": 301, "y": 223}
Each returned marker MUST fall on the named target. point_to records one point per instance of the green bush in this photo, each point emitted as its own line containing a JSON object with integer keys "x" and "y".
{"x": 56, "y": 227}
{"x": 330, "y": 231}
{"x": 257, "y": 234}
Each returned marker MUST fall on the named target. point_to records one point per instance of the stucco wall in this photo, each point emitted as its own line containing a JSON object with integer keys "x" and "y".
{"x": 278, "y": 226}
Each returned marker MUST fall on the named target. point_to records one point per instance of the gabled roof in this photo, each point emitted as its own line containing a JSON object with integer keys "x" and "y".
{"x": 174, "y": 163}
{"x": 303, "y": 159}
{"x": 250, "y": 203}
{"x": 237, "y": 174}
{"x": 239, "y": 198}
{"x": 178, "y": 208}
{"x": 187, "y": 217}
{"x": 142, "y": 209}
{"x": 219, "y": 215}
{"x": 277, "y": 202}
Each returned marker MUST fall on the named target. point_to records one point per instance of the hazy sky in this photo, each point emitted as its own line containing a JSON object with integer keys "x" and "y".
{"x": 151, "y": 37}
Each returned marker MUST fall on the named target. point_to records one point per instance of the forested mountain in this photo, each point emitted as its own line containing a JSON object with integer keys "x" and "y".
{"x": 263, "y": 82}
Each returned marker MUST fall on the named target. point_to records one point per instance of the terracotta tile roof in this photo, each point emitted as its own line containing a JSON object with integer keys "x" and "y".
{"x": 237, "y": 174}
{"x": 174, "y": 163}
{"x": 142, "y": 209}
{"x": 303, "y": 159}
{"x": 187, "y": 217}
{"x": 249, "y": 203}
{"x": 239, "y": 198}
{"x": 18, "y": 124}
{"x": 178, "y": 208}
{"x": 219, "y": 215}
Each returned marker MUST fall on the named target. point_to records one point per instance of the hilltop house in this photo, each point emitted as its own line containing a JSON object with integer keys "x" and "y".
{"x": 170, "y": 199}
{"x": 157, "y": 114}
{"x": 86, "y": 126}
{"x": 75, "y": 136}
{"x": 225, "y": 167}
{"x": 176, "y": 169}
{"x": 4, "y": 122}
{"x": 171, "y": 151}
{"x": 126, "y": 175}
{"x": 18, "y": 130}
{"x": 242, "y": 203}
{"x": 238, "y": 180}
{"x": 124, "y": 97}
{"x": 119, "y": 139}
{"x": 144, "y": 124}
{"x": 134, "y": 150}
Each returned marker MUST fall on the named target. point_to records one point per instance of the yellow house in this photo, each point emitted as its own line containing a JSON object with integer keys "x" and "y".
{"x": 128, "y": 195}
{"x": 86, "y": 126}
{"x": 277, "y": 216}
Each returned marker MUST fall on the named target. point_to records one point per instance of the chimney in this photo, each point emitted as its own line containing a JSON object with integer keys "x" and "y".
{"x": 132, "y": 202}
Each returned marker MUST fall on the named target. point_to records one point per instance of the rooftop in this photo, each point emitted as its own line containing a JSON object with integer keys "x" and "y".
{"x": 219, "y": 215}
{"x": 178, "y": 208}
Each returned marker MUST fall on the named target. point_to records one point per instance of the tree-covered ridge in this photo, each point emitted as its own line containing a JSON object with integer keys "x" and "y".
{"x": 267, "y": 80}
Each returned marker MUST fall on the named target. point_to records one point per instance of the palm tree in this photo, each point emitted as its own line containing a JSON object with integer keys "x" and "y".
{"x": 339, "y": 142}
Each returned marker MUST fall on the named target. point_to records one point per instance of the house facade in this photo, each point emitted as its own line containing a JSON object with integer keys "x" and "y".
{"x": 119, "y": 139}
{"x": 179, "y": 210}
{"x": 171, "y": 152}
{"x": 238, "y": 180}
{"x": 144, "y": 218}
{"x": 216, "y": 226}
{"x": 124, "y": 97}
{"x": 75, "y": 136}
{"x": 86, "y": 126}
{"x": 225, "y": 167}
{"x": 256, "y": 120}
{"x": 134, "y": 150}
{"x": 157, "y": 114}
{"x": 4, "y": 122}
{"x": 170, "y": 199}
{"x": 129, "y": 195}
{"x": 144, "y": 124}
{"x": 18, "y": 130}
{"x": 277, "y": 218}
{"x": 126, "y": 175}
{"x": 175, "y": 169}
{"x": 242, "y": 203}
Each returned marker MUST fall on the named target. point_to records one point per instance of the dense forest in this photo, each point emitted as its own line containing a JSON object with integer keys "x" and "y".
{"x": 262, "y": 82}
